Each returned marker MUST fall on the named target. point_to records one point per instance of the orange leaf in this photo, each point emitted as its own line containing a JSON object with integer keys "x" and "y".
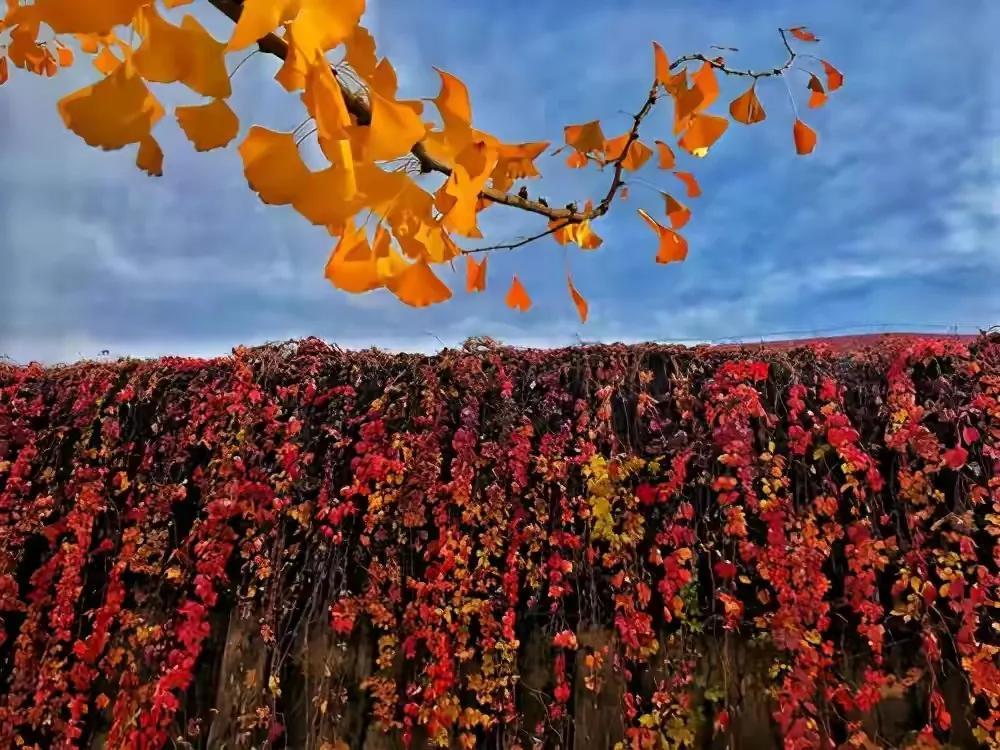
{"x": 65, "y": 56}
{"x": 394, "y": 128}
{"x": 106, "y": 61}
{"x": 746, "y": 108}
{"x": 585, "y": 138}
{"x": 517, "y": 298}
{"x": 661, "y": 65}
{"x": 677, "y": 212}
{"x": 320, "y": 25}
{"x": 208, "y": 126}
{"x": 805, "y": 137}
{"x": 638, "y": 152}
{"x": 185, "y": 53}
{"x": 352, "y": 265}
{"x": 475, "y": 274}
{"x": 818, "y": 96}
{"x": 704, "y": 80}
{"x": 693, "y": 188}
{"x": 666, "y": 156}
{"x": 360, "y": 52}
{"x": 4, "y": 72}
{"x": 672, "y": 246}
{"x": 453, "y": 100}
{"x": 702, "y": 133}
{"x": 417, "y": 286}
{"x": 581, "y": 304}
{"x": 686, "y": 101}
{"x": 150, "y": 157}
{"x": 803, "y": 34}
{"x": 834, "y": 78}
{"x": 576, "y": 160}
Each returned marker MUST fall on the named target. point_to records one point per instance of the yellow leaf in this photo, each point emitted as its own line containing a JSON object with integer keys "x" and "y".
{"x": 106, "y": 61}
{"x": 292, "y": 73}
{"x": 661, "y": 65}
{"x": 458, "y": 198}
{"x": 321, "y": 25}
{"x": 360, "y": 52}
{"x": 672, "y": 247}
{"x": 418, "y": 286}
{"x": 65, "y": 55}
{"x": 150, "y": 157}
{"x": 453, "y": 100}
{"x": 515, "y": 162}
{"x": 324, "y": 101}
{"x": 85, "y": 16}
{"x": 586, "y": 138}
{"x": 113, "y": 112}
{"x": 394, "y": 129}
{"x": 517, "y": 298}
{"x": 208, "y": 126}
{"x": 581, "y": 304}
{"x": 475, "y": 274}
{"x": 352, "y": 266}
{"x": 702, "y": 133}
{"x": 186, "y": 53}
{"x": 258, "y": 19}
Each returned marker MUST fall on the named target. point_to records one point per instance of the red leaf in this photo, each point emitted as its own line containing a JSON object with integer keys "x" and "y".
{"x": 969, "y": 435}
{"x": 834, "y": 78}
{"x": 803, "y": 34}
{"x": 956, "y": 457}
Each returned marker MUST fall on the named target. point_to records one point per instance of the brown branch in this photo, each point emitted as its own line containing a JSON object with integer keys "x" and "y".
{"x": 357, "y": 106}
{"x": 519, "y": 243}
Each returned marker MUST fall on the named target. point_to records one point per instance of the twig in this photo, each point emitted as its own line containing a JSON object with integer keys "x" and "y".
{"x": 519, "y": 243}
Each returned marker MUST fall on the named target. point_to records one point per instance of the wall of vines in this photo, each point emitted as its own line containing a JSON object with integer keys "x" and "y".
{"x": 636, "y": 547}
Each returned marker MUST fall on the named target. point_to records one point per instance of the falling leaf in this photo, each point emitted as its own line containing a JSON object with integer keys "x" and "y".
{"x": 65, "y": 55}
{"x": 150, "y": 157}
{"x": 208, "y": 126}
{"x": 672, "y": 247}
{"x": 113, "y": 112}
{"x": 702, "y": 132}
{"x": 834, "y": 78}
{"x": 586, "y": 138}
{"x": 677, "y": 212}
{"x": 475, "y": 274}
{"x": 638, "y": 152}
{"x": 517, "y": 298}
{"x": 666, "y": 156}
{"x": 185, "y": 53}
{"x": 803, "y": 34}
{"x": 693, "y": 188}
{"x": 4, "y": 72}
{"x": 417, "y": 286}
{"x": 581, "y": 304}
{"x": 661, "y": 65}
{"x": 746, "y": 108}
{"x": 705, "y": 82}
{"x": 805, "y": 137}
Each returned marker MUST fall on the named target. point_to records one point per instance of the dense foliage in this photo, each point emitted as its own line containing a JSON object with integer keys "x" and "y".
{"x": 298, "y": 546}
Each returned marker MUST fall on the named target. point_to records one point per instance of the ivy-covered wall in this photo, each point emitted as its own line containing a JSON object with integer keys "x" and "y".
{"x": 655, "y": 546}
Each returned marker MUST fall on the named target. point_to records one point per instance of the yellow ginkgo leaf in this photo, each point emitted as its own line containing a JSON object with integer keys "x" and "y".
{"x": 705, "y": 81}
{"x": 394, "y": 129}
{"x": 417, "y": 286}
{"x": 672, "y": 247}
{"x": 661, "y": 65}
{"x": 360, "y": 52}
{"x": 85, "y": 16}
{"x": 185, "y": 53}
{"x": 113, "y": 112}
{"x": 516, "y": 162}
{"x": 150, "y": 157}
{"x": 702, "y": 133}
{"x": 258, "y": 19}
{"x": 64, "y": 54}
{"x": 453, "y": 100}
{"x": 458, "y": 198}
{"x": 324, "y": 101}
{"x": 292, "y": 73}
{"x": 746, "y": 108}
{"x": 106, "y": 61}
{"x": 517, "y": 296}
{"x": 638, "y": 152}
{"x": 582, "y": 308}
{"x": 475, "y": 274}
{"x": 585, "y": 138}
{"x": 208, "y": 126}
{"x": 352, "y": 266}
{"x": 320, "y": 25}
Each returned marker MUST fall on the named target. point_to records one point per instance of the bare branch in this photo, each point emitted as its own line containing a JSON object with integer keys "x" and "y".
{"x": 519, "y": 243}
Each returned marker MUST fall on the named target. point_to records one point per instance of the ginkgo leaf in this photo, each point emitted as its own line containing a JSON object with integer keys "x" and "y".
{"x": 324, "y": 100}
{"x": 677, "y": 212}
{"x": 417, "y": 286}
{"x": 818, "y": 96}
{"x": 106, "y": 61}
{"x": 702, "y": 133}
{"x": 582, "y": 308}
{"x": 746, "y": 108}
{"x": 577, "y": 160}
{"x": 150, "y": 157}
{"x": 85, "y": 16}
{"x": 320, "y": 25}
{"x": 352, "y": 266}
{"x": 360, "y": 52}
{"x": 693, "y": 188}
{"x": 665, "y": 154}
{"x": 394, "y": 129}
{"x": 65, "y": 56}
{"x": 661, "y": 65}
{"x": 115, "y": 111}
{"x": 176, "y": 3}
{"x": 516, "y": 161}
{"x": 803, "y": 34}
{"x": 637, "y": 155}
{"x": 686, "y": 101}
{"x": 258, "y": 19}
{"x": 185, "y": 53}
{"x": 672, "y": 247}
{"x": 705, "y": 82}
{"x": 475, "y": 274}
{"x": 517, "y": 297}
{"x": 805, "y": 137}
{"x": 293, "y": 71}
{"x": 208, "y": 126}
{"x": 585, "y": 138}
{"x": 834, "y": 78}
{"x": 4, "y": 72}
{"x": 453, "y": 100}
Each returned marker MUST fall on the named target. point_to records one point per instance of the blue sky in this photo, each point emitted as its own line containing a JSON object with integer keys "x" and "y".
{"x": 892, "y": 223}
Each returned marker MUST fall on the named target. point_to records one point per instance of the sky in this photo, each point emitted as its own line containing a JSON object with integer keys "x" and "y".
{"x": 893, "y": 223}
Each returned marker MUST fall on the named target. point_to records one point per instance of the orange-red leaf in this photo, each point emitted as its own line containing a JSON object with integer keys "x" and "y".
{"x": 672, "y": 247}
{"x": 475, "y": 274}
{"x": 803, "y": 34}
{"x": 417, "y": 286}
{"x": 517, "y": 298}
{"x": 586, "y": 137}
{"x": 693, "y": 188}
{"x": 805, "y": 137}
{"x": 818, "y": 96}
{"x": 702, "y": 133}
{"x": 834, "y": 78}
{"x": 746, "y": 108}
{"x": 677, "y": 212}
{"x": 666, "y": 156}
{"x": 582, "y": 308}
{"x": 661, "y": 65}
